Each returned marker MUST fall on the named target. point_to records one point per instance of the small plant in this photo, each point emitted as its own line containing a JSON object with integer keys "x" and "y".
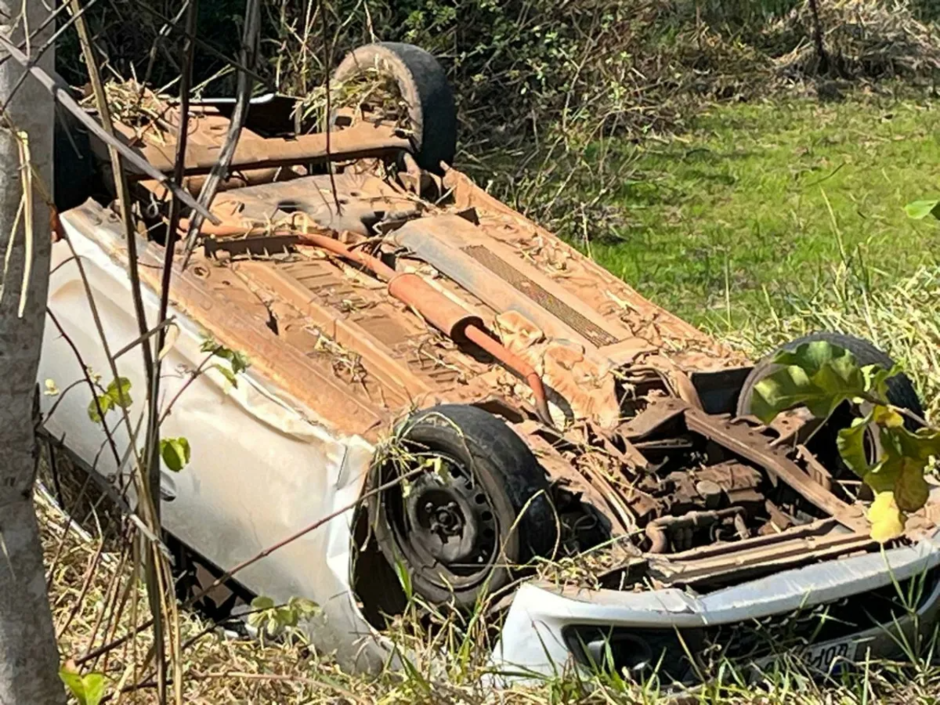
{"x": 821, "y": 377}
{"x": 238, "y": 361}
{"x": 272, "y": 618}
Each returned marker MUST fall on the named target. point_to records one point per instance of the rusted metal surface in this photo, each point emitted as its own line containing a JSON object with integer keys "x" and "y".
{"x": 376, "y": 357}
{"x": 502, "y": 279}
{"x": 749, "y": 444}
{"x": 749, "y": 559}
{"x": 665, "y": 529}
{"x": 449, "y": 317}
{"x": 361, "y": 141}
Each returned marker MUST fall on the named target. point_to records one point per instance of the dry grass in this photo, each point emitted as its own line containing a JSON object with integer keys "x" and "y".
{"x": 866, "y": 39}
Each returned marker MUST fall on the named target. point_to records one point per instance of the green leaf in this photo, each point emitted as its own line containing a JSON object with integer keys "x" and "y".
{"x": 286, "y": 617}
{"x": 119, "y": 391}
{"x": 228, "y": 374}
{"x": 262, "y": 606}
{"x": 901, "y": 469}
{"x": 88, "y": 689}
{"x": 887, "y": 416}
{"x": 911, "y": 489}
{"x": 262, "y": 602}
{"x": 95, "y": 684}
{"x": 238, "y": 360}
{"x": 817, "y": 375}
{"x": 918, "y": 210}
{"x": 811, "y": 357}
{"x": 104, "y": 402}
{"x": 175, "y": 453}
{"x": 779, "y": 391}
{"x": 303, "y": 606}
{"x": 73, "y": 681}
{"x": 271, "y": 617}
{"x": 876, "y": 380}
{"x": 851, "y": 444}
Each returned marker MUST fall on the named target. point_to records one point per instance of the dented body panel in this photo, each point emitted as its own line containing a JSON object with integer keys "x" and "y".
{"x": 265, "y": 465}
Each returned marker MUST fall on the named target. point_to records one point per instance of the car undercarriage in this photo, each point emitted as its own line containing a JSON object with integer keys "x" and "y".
{"x": 530, "y": 414}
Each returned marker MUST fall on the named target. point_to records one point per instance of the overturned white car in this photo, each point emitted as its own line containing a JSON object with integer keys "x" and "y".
{"x": 518, "y": 403}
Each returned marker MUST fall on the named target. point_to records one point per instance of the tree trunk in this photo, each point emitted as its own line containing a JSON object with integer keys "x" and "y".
{"x": 28, "y": 657}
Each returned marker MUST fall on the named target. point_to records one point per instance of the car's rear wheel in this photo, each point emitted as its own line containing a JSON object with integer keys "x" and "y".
{"x": 472, "y": 504}
{"x": 405, "y": 84}
{"x": 901, "y": 391}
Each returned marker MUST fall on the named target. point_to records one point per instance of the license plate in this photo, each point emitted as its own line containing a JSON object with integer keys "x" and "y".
{"x": 826, "y": 657}
{"x": 823, "y": 658}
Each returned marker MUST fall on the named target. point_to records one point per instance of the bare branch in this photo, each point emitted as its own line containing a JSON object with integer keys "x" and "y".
{"x": 243, "y": 97}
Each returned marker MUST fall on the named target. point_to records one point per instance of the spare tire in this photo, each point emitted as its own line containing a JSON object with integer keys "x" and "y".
{"x": 478, "y": 505}
{"x": 423, "y": 85}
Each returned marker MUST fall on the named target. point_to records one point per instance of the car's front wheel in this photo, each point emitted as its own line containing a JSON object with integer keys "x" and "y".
{"x": 471, "y": 504}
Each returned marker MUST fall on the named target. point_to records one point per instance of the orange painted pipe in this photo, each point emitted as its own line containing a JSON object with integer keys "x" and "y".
{"x": 481, "y": 338}
{"x": 441, "y": 312}
{"x": 409, "y": 288}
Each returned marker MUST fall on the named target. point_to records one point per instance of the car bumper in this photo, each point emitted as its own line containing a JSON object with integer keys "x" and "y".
{"x": 536, "y": 639}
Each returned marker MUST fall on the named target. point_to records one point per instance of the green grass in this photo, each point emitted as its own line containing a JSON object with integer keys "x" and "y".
{"x": 758, "y": 202}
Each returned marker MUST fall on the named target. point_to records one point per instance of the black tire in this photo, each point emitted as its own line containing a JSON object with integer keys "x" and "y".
{"x": 491, "y": 491}
{"x": 900, "y": 390}
{"x": 74, "y": 169}
{"x": 425, "y": 89}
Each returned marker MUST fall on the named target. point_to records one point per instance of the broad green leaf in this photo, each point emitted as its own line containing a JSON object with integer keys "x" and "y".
{"x": 104, "y": 402}
{"x": 817, "y": 375}
{"x": 88, "y": 689}
{"x": 175, "y": 453}
{"x": 303, "y": 606}
{"x": 904, "y": 460}
{"x": 911, "y": 489}
{"x": 887, "y": 520}
{"x": 73, "y": 681}
{"x": 286, "y": 617}
{"x": 876, "y": 378}
{"x": 262, "y": 602}
{"x": 95, "y": 684}
{"x": 239, "y": 361}
{"x": 851, "y": 444}
{"x": 812, "y": 357}
{"x": 262, "y": 606}
{"x": 780, "y": 391}
{"x": 918, "y": 210}
{"x": 119, "y": 391}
